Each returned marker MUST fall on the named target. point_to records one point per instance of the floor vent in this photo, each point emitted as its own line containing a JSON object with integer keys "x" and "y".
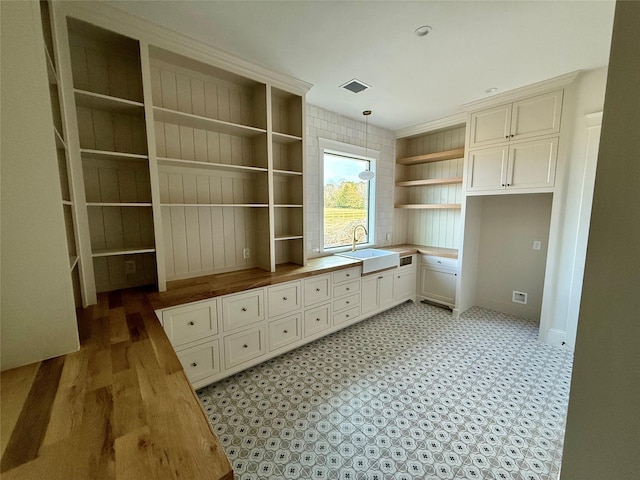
{"x": 355, "y": 86}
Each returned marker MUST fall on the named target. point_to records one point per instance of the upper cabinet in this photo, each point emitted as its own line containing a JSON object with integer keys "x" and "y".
{"x": 539, "y": 115}
{"x": 514, "y": 147}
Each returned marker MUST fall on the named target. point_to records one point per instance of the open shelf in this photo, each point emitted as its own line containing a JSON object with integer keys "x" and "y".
{"x": 176, "y": 162}
{"x": 282, "y": 237}
{"x": 121, "y": 251}
{"x": 240, "y": 205}
{"x": 196, "y": 121}
{"x": 286, "y": 173}
{"x": 99, "y": 101}
{"x": 430, "y": 181}
{"x": 108, "y": 155}
{"x": 430, "y": 206}
{"x": 118, "y": 204}
{"x": 432, "y": 157}
{"x": 285, "y": 138}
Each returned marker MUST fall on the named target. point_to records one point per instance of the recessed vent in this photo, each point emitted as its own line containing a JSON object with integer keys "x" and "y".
{"x": 355, "y": 86}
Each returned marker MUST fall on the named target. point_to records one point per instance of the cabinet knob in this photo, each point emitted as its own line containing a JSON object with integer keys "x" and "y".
{"x": 317, "y": 289}
{"x": 508, "y": 184}
{"x": 194, "y": 364}
{"x": 512, "y": 135}
{"x": 348, "y": 274}
{"x": 191, "y": 323}
{"x": 244, "y": 309}
{"x": 502, "y": 184}
{"x": 347, "y": 316}
{"x": 317, "y": 319}
{"x": 245, "y": 346}
{"x": 285, "y": 331}
{"x": 348, "y": 289}
{"x": 348, "y": 302}
{"x": 506, "y": 136}
{"x": 284, "y": 299}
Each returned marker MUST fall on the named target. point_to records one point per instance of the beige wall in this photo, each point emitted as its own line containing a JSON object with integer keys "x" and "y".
{"x": 38, "y": 313}
{"x": 602, "y": 438}
{"x": 506, "y": 260}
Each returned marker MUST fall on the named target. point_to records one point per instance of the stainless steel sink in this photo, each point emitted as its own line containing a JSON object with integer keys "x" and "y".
{"x": 373, "y": 259}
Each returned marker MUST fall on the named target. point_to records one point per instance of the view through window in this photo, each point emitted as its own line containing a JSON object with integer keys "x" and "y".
{"x": 346, "y": 199}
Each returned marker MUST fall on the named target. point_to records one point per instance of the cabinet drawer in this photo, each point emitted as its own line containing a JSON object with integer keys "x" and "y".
{"x": 244, "y": 346}
{"x": 346, "y": 289}
{"x": 201, "y": 361}
{"x": 190, "y": 322}
{"x": 284, "y": 298}
{"x": 285, "y": 331}
{"x": 317, "y": 320}
{"x": 317, "y": 290}
{"x": 346, "y": 274}
{"x": 346, "y": 302}
{"x": 242, "y": 309}
{"x": 440, "y": 262}
{"x": 346, "y": 316}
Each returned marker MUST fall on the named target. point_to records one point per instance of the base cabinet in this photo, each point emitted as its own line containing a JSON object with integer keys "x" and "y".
{"x": 438, "y": 278}
{"x": 377, "y": 292}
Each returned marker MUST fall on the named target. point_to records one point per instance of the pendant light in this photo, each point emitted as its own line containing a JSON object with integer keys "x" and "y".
{"x": 366, "y": 174}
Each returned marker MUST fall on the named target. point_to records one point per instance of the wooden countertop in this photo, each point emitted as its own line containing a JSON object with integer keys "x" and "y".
{"x": 119, "y": 408}
{"x": 201, "y": 288}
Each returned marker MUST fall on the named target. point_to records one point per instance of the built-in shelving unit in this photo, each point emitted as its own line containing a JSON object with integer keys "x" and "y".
{"x": 429, "y": 186}
{"x": 61, "y": 146}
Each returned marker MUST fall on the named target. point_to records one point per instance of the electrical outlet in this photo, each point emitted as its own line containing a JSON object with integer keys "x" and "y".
{"x": 519, "y": 297}
{"x": 246, "y": 253}
{"x": 537, "y": 244}
{"x": 388, "y": 236}
{"x": 129, "y": 266}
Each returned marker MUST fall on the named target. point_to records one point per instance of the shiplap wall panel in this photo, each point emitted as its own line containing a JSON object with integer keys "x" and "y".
{"x": 110, "y": 271}
{"x": 205, "y": 240}
{"x": 114, "y": 132}
{"x": 441, "y": 228}
{"x": 110, "y": 181}
{"x": 120, "y": 227}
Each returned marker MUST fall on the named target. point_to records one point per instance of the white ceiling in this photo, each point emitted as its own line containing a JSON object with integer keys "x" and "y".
{"x": 474, "y": 45}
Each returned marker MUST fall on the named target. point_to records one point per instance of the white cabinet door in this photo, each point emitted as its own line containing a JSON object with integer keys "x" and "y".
{"x": 487, "y": 169}
{"x": 404, "y": 285}
{"x": 490, "y": 126}
{"x": 532, "y": 164}
{"x": 369, "y": 294}
{"x": 536, "y": 116}
{"x": 439, "y": 286}
{"x": 385, "y": 289}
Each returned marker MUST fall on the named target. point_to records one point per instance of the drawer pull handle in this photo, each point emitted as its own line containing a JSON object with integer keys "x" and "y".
{"x": 244, "y": 309}
{"x": 194, "y": 364}
{"x": 317, "y": 289}
{"x": 348, "y": 302}
{"x": 285, "y": 331}
{"x": 348, "y": 274}
{"x": 317, "y": 319}
{"x": 284, "y": 298}
{"x": 245, "y": 346}
{"x": 347, "y": 316}
{"x": 348, "y": 289}
{"x": 191, "y": 323}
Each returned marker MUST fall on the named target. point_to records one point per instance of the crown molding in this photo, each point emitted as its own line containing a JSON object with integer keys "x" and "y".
{"x": 112, "y": 18}
{"x": 433, "y": 125}
{"x": 523, "y": 92}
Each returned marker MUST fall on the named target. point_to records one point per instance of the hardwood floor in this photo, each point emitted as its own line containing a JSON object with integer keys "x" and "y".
{"x": 121, "y": 407}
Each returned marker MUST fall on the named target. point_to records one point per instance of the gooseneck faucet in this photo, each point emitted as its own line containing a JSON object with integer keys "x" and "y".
{"x": 357, "y": 239}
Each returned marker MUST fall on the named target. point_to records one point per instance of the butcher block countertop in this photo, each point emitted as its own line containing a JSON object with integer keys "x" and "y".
{"x": 201, "y": 288}
{"x": 119, "y": 408}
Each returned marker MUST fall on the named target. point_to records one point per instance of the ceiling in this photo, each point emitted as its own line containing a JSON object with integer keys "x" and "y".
{"x": 474, "y": 46}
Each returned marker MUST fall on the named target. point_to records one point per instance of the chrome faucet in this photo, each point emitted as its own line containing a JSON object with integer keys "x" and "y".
{"x": 357, "y": 239}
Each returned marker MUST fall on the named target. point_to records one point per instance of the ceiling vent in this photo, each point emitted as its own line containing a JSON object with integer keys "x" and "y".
{"x": 355, "y": 86}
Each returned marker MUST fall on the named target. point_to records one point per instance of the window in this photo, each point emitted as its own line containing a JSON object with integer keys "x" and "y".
{"x": 348, "y": 199}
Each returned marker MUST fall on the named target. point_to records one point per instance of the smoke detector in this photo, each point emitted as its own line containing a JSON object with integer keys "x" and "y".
{"x": 355, "y": 86}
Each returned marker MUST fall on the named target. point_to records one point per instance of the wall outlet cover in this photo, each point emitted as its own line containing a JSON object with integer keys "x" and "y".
{"x": 129, "y": 266}
{"x": 519, "y": 297}
{"x": 246, "y": 253}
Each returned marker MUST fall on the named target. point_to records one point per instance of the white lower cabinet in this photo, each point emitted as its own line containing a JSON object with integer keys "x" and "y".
{"x": 404, "y": 283}
{"x": 244, "y": 346}
{"x": 284, "y": 332}
{"x": 377, "y": 291}
{"x": 192, "y": 322}
{"x": 242, "y": 309}
{"x": 317, "y": 320}
{"x": 317, "y": 290}
{"x": 201, "y": 361}
{"x": 438, "y": 276}
{"x": 284, "y": 298}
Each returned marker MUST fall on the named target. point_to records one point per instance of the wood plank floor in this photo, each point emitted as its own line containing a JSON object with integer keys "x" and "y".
{"x": 121, "y": 407}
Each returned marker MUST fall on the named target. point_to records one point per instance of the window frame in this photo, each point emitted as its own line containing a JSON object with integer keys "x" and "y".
{"x": 357, "y": 153}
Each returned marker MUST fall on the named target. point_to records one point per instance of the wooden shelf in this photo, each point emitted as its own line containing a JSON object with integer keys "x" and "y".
{"x": 432, "y": 157}
{"x": 87, "y": 153}
{"x": 282, "y": 237}
{"x": 286, "y": 173}
{"x": 429, "y": 181}
{"x": 241, "y": 205}
{"x": 287, "y": 206}
{"x": 285, "y": 138}
{"x": 195, "y": 121}
{"x": 110, "y": 252}
{"x": 430, "y": 206}
{"x": 117, "y": 204}
{"x": 106, "y": 102}
{"x": 176, "y": 162}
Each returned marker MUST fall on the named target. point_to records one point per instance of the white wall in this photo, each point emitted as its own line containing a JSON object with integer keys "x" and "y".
{"x": 602, "y": 439}
{"x": 506, "y": 259}
{"x": 332, "y": 126}
{"x": 584, "y": 96}
{"x": 38, "y": 313}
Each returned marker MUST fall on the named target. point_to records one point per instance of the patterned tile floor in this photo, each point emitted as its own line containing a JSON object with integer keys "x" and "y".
{"x": 408, "y": 394}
